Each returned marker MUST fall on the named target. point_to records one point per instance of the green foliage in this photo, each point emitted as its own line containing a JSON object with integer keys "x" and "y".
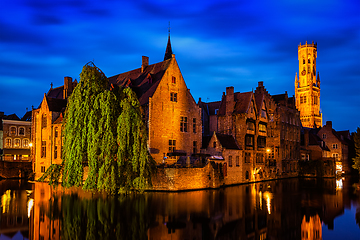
{"x": 52, "y": 174}
{"x": 356, "y": 159}
{"x": 104, "y": 129}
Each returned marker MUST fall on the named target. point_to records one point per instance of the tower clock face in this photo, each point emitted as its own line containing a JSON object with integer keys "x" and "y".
{"x": 303, "y": 72}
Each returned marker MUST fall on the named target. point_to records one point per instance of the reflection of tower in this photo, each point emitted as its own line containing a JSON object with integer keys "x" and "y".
{"x": 311, "y": 228}
{"x": 307, "y": 87}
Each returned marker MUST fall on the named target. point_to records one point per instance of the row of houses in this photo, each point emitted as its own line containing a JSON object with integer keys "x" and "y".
{"x": 246, "y": 136}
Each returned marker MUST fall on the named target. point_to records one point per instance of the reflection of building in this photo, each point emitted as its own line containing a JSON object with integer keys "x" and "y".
{"x": 46, "y": 127}
{"x": 16, "y": 137}
{"x": 307, "y": 87}
{"x": 311, "y": 228}
{"x": 15, "y": 209}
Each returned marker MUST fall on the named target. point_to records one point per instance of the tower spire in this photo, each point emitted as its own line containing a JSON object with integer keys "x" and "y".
{"x": 168, "y": 52}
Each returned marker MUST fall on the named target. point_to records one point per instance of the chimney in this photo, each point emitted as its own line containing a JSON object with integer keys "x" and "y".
{"x": 329, "y": 124}
{"x": 68, "y": 87}
{"x": 145, "y": 63}
{"x": 260, "y": 84}
{"x": 230, "y": 100}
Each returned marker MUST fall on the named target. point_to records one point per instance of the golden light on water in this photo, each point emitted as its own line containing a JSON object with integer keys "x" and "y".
{"x": 30, "y": 205}
{"x": 5, "y": 201}
{"x": 268, "y": 196}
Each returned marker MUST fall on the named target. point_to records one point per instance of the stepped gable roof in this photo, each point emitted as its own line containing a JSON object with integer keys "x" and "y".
{"x": 11, "y": 117}
{"x": 56, "y": 104}
{"x": 227, "y": 141}
{"x": 143, "y": 83}
{"x": 27, "y": 116}
{"x": 259, "y": 98}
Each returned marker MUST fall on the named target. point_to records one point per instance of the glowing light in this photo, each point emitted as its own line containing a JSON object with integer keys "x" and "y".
{"x": 268, "y": 196}
{"x": 339, "y": 184}
{"x": 5, "y": 201}
{"x": 30, "y": 205}
{"x": 30, "y": 144}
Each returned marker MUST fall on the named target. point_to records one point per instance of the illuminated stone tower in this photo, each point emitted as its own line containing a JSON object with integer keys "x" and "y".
{"x": 307, "y": 87}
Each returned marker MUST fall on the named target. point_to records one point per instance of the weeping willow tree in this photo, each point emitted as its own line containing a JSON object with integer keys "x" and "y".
{"x": 103, "y": 128}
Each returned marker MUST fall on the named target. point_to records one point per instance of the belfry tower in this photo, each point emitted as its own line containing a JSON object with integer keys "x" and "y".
{"x": 307, "y": 87}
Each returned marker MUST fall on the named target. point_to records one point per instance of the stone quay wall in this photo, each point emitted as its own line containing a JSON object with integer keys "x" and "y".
{"x": 15, "y": 169}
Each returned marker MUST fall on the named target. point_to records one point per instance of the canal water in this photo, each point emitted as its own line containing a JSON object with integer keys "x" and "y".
{"x": 281, "y": 209}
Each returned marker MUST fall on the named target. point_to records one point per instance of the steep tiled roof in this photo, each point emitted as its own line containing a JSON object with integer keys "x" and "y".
{"x": 242, "y": 102}
{"x": 11, "y": 117}
{"x": 143, "y": 83}
{"x": 56, "y": 105}
{"x": 227, "y": 141}
{"x": 27, "y": 116}
{"x": 279, "y": 98}
{"x": 56, "y": 92}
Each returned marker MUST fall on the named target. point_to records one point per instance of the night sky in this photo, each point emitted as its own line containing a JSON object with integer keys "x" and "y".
{"x": 216, "y": 43}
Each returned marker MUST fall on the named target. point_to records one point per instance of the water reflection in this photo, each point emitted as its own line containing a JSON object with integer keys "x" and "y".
{"x": 286, "y": 209}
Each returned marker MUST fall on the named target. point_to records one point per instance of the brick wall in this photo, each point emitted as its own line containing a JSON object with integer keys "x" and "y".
{"x": 15, "y": 169}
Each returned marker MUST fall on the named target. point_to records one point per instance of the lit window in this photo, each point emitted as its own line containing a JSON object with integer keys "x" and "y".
{"x": 56, "y": 132}
{"x": 262, "y": 127}
{"x": 17, "y": 143}
{"x": 13, "y": 131}
{"x": 183, "y": 124}
{"x": 8, "y": 142}
{"x": 21, "y": 131}
{"x": 173, "y": 97}
{"x": 26, "y": 143}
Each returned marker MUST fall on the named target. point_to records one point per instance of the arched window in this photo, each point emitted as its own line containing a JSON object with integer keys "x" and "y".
{"x": 13, "y": 131}
{"x": 21, "y": 131}
{"x": 17, "y": 142}
{"x": 25, "y": 143}
{"x": 8, "y": 142}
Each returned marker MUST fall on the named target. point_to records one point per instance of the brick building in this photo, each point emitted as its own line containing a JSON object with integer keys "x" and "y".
{"x": 173, "y": 118}
{"x": 16, "y": 135}
{"x": 46, "y": 127}
{"x": 337, "y": 142}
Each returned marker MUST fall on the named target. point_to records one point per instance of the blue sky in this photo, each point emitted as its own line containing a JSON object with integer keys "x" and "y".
{"x": 217, "y": 44}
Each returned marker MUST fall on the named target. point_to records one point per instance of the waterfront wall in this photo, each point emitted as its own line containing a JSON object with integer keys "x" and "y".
{"x": 15, "y": 169}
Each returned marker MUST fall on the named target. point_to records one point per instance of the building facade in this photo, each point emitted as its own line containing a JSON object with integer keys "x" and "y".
{"x": 47, "y": 126}
{"x": 16, "y": 138}
{"x": 307, "y": 87}
{"x": 173, "y": 117}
